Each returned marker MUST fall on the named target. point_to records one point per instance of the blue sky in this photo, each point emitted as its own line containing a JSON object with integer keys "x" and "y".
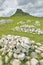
{"x": 33, "y": 7}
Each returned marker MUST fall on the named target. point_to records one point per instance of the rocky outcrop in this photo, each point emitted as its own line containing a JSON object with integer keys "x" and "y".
{"x": 16, "y": 49}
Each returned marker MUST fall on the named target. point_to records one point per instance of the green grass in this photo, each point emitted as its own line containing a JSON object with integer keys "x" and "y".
{"x": 6, "y": 28}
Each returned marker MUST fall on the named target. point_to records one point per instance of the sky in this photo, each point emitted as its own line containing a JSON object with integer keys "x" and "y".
{"x": 33, "y": 7}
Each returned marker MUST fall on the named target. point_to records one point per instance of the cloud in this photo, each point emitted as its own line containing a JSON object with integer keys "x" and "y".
{"x": 33, "y": 7}
{"x": 8, "y": 8}
{"x": 1, "y": 2}
{"x": 22, "y": 2}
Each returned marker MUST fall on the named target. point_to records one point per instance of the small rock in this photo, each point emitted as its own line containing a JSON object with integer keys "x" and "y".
{"x": 21, "y": 56}
{"x": 1, "y": 63}
{"x": 42, "y": 55}
{"x": 39, "y": 44}
{"x": 29, "y": 21}
{"x": 6, "y": 59}
{"x": 28, "y": 57}
{"x": 16, "y": 62}
{"x": 34, "y": 61}
{"x": 10, "y": 54}
{"x": 37, "y": 23}
{"x": 37, "y": 51}
{"x": 32, "y": 41}
{"x": 28, "y": 63}
{"x": 41, "y": 62}
{"x": 15, "y": 55}
{"x": 34, "y": 55}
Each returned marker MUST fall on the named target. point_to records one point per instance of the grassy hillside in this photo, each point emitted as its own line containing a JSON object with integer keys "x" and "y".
{"x": 6, "y": 28}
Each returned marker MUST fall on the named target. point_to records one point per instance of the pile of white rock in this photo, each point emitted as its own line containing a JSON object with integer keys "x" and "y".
{"x": 16, "y": 49}
{"x": 23, "y": 22}
{"x": 4, "y": 21}
{"x": 29, "y": 21}
{"x": 37, "y": 23}
{"x": 28, "y": 28}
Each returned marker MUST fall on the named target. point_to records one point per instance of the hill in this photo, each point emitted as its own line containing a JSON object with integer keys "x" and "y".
{"x": 19, "y": 12}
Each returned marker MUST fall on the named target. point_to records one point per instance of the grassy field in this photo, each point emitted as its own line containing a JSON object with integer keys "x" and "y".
{"x": 6, "y": 28}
